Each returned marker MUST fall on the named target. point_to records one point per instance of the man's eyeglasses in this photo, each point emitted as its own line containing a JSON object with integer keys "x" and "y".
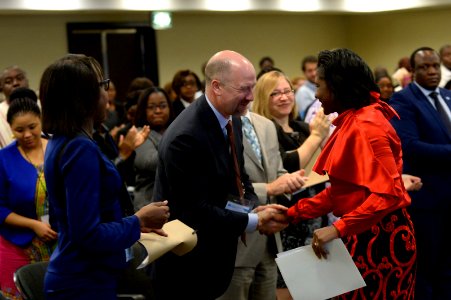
{"x": 105, "y": 84}
{"x": 278, "y": 94}
{"x": 154, "y": 107}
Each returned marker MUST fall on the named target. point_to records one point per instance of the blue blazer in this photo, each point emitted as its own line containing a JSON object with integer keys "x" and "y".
{"x": 17, "y": 193}
{"x": 84, "y": 189}
{"x": 426, "y": 145}
{"x": 195, "y": 175}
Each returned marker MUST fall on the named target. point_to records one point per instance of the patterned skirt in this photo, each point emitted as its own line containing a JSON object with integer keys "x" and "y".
{"x": 386, "y": 257}
{"x": 13, "y": 257}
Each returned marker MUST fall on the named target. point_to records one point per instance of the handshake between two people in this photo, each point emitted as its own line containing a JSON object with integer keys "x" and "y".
{"x": 272, "y": 218}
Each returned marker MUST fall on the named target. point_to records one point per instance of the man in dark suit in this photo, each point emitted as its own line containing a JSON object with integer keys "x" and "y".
{"x": 426, "y": 143}
{"x": 196, "y": 175}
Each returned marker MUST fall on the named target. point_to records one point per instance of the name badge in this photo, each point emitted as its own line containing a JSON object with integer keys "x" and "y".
{"x": 239, "y": 205}
{"x": 45, "y": 219}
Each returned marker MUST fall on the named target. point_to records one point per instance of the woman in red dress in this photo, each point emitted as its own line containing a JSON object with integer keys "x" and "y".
{"x": 363, "y": 159}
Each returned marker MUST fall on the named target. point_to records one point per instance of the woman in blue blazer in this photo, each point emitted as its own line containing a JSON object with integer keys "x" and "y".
{"x": 84, "y": 186}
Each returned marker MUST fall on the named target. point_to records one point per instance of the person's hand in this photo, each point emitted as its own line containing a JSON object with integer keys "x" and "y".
{"x": 271, "y": 219}
{"x": 115, "y": 130}
{"x": 132, "y": 140}
{"x": 411, "y": 183}
{"x": 280, "y": 208}
{"x": 153, "y": 215}
{"x": 141, "y": 136}
{"x": 44, "y": 231}
{"x": 159, "y": 232}
{"x": 320, "y": 125}
{"x": 287, "y": 183}
{"x": 322, "y": 236}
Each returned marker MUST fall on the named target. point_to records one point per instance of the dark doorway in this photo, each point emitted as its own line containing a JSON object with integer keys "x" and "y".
{"x": 125, "y": 50}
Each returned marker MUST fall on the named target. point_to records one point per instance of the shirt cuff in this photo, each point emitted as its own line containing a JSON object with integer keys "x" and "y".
{"x": 341, "y": 227}
{"x": 252, "y": 223}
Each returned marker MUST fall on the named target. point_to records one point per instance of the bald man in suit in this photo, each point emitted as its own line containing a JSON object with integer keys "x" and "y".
{"x": 197, "y": 174}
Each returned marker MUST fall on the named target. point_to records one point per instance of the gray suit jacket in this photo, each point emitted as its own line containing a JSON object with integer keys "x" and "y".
{"x": 145, "y": 164}
{"x": 260, "y": 174}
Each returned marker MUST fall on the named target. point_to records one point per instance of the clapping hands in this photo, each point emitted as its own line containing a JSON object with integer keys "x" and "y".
{"x": 287, "y": 183}
{"x": 272, "y": 218}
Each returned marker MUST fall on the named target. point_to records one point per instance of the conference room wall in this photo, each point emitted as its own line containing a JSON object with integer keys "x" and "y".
{"x": 35, "y": 40}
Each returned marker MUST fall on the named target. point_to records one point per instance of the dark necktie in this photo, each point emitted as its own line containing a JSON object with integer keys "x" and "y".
{"x": 441, "y": 111}
{"x": 236, "y": 168}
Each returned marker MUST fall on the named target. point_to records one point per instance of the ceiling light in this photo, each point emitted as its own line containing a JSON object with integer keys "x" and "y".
{"x": 161, "y": 20}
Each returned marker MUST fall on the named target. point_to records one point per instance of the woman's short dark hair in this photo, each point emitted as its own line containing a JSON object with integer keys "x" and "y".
{"x": 70, "y": 94}
{"x": 347, "y": 76}
{"x": 141, "y": 109}
{"x": 179, "y": 80}
{"x": 22, "y": 100}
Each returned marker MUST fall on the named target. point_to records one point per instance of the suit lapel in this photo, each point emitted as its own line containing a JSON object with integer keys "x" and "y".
{"x": 250, "y": 153}
{"x": 447, "y": 99}
{"x": 425, "y": 105}
{"x": 261, "y": 135}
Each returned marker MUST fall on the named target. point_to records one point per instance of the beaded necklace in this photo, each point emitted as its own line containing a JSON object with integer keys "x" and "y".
{"x": 39, "y": 168}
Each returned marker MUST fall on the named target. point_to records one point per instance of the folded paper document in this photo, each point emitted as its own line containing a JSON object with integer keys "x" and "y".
{"x": 181, "y": 239}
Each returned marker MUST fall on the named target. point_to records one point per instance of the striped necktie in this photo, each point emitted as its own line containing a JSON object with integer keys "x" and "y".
{"x": 251, "y": 136}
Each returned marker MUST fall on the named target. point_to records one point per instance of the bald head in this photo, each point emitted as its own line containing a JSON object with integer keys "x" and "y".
{"x": 221, "y": 65}
{"x": 230, "y": 79}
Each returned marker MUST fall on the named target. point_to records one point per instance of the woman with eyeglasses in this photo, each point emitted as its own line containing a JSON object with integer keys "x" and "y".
{"x": 25, "y": 234}
{"x": 274, "y": 99}
{"x": 187, "y": 86}
{"x": 84, "y": 187}
{"x": 154, "y": 110}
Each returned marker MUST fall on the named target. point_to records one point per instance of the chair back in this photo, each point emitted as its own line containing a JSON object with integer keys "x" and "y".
{"x": 29, "y": 280}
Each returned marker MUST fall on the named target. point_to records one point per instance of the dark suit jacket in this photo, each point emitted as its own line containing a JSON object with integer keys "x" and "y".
{"x": 177, "y": 107}
{"x": 426, "y": 146}
{"x": 195, "y": 175}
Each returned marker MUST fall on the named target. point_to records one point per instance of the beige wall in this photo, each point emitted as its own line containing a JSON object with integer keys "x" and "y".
{"x": 34, "y": 41}
{"x": 381, "y": 39}
{"x": 286, "y": 38}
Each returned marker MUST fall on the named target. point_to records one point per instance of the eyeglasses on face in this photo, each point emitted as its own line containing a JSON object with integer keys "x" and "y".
{"x": 278, "y": 94}
{"x": 189, "y": 83}
{"x": 161, "y": 106}
{"x": 105, "y": 84}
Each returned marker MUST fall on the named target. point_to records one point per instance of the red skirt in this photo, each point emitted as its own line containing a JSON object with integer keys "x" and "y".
{"x": 386, "y": 257}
